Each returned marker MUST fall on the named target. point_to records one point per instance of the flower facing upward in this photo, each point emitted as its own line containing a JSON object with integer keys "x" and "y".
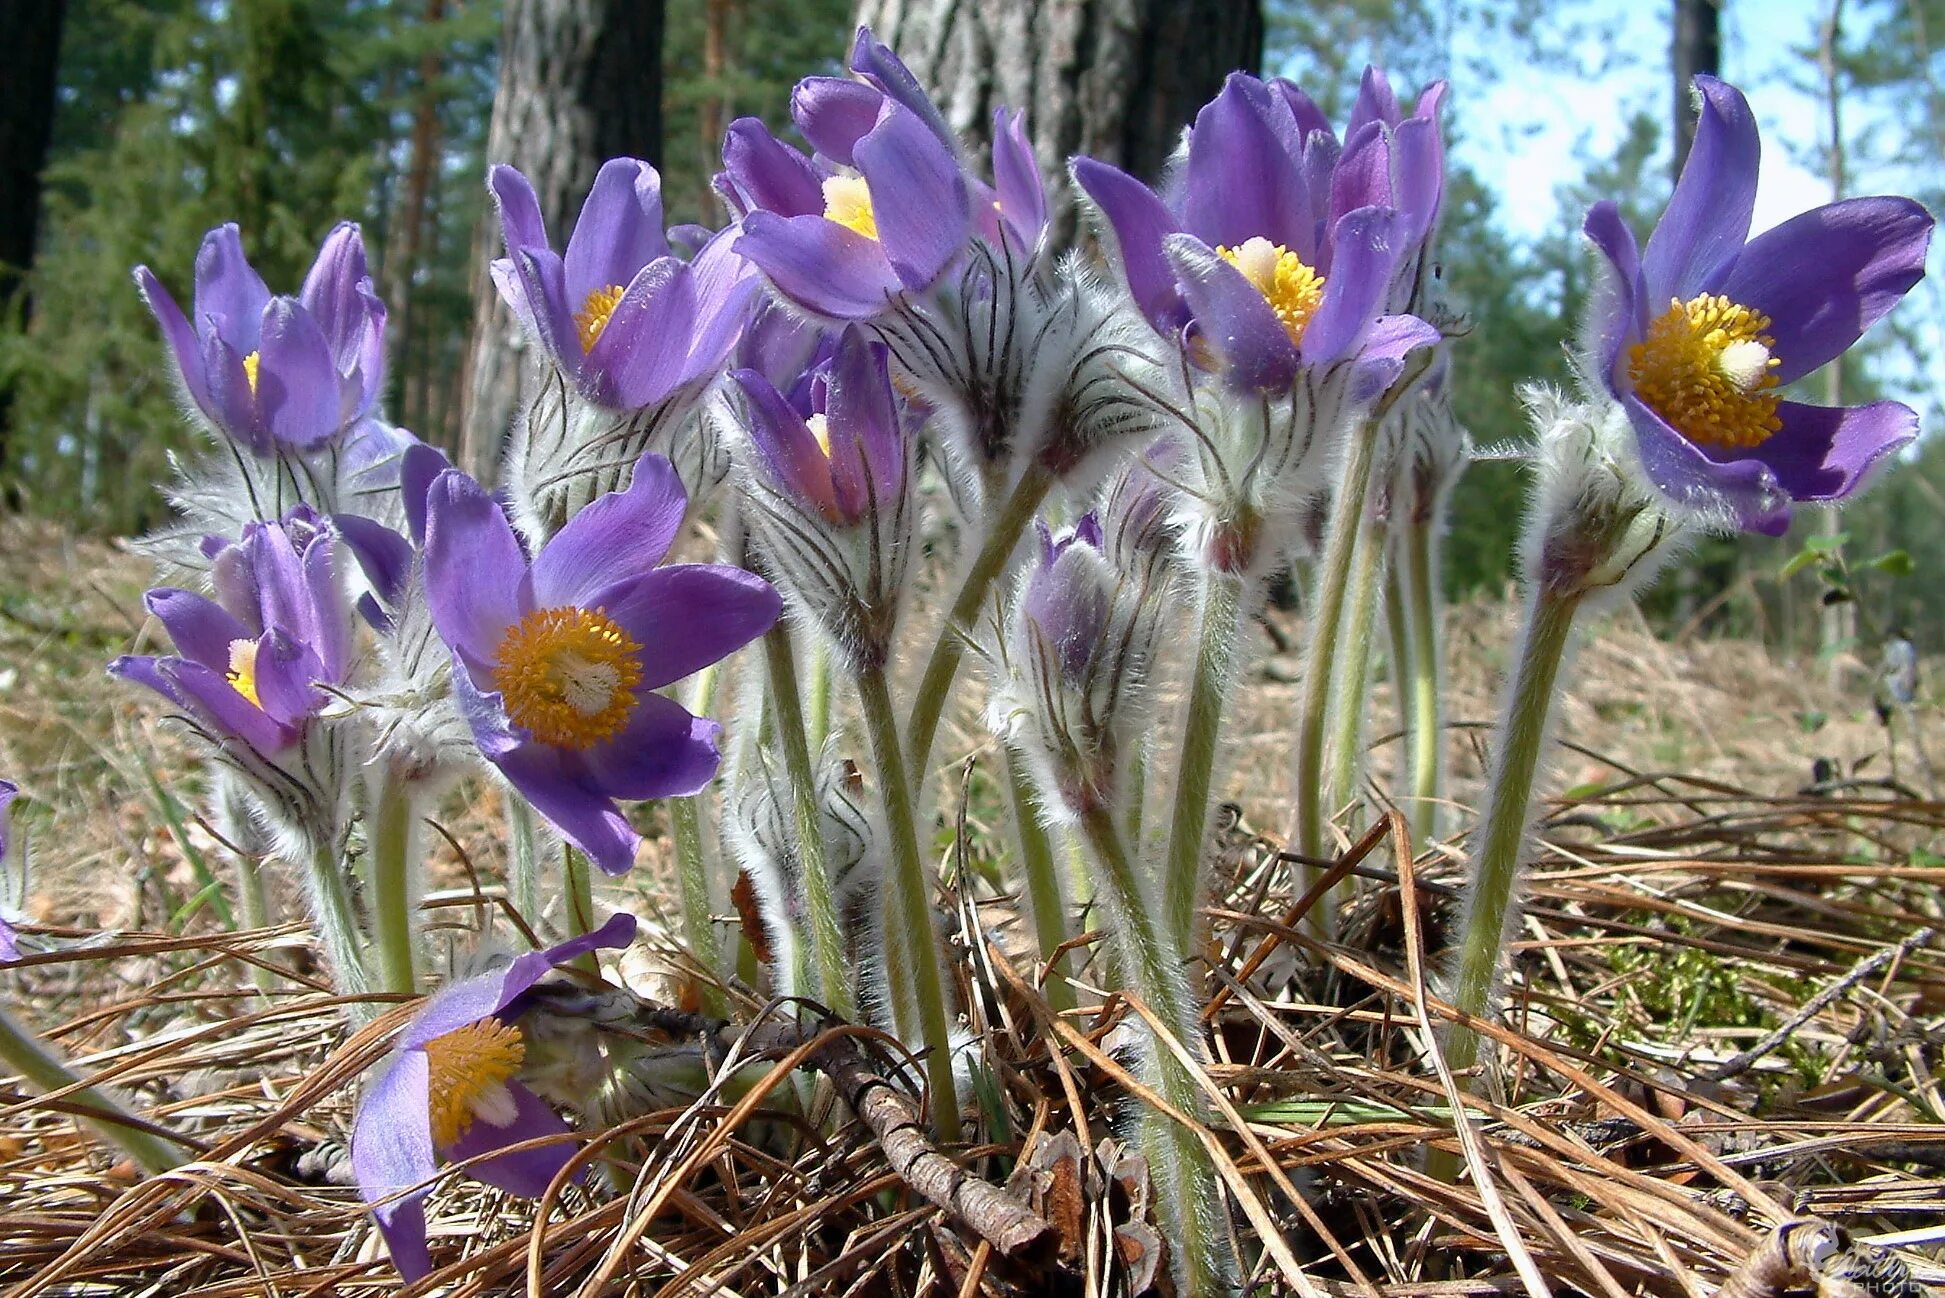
{"x": 1698, "y": 334}
{"x": 555, "y": 663}
{"x": 452, "y": 1088}
{"x": 277, "y": 371}
{"x": 251, "y": 660}
{"x": 627, "y": 323}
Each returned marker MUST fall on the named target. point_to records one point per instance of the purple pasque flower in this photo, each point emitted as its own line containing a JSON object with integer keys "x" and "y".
{"x": 249, "y": 663}
{"x": 627, "y": 322}
{"x": 274, "y": 371}
{"x": 556, "y": 661}
{"x": 451, "y": 1089}
{"x": 883, "y": 209}
{"x": 1697, "y": 334}
{"x": 1397, "y": 160}
{"x": 1263, "y": 261}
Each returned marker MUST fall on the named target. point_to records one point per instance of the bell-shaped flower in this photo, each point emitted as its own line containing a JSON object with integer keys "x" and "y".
{"x": 452, "y": 1089}
{"x": 1698, "y": 333}
{"x": 1256, "y": 264}
{"x": 249, "y": 664}
{"x": 556, "y": 662}
{"x": 277, "y": 372}
{"x": 627, "y": 323}
{"x": 829, "y": 478}
{"x": 883, "y": 210}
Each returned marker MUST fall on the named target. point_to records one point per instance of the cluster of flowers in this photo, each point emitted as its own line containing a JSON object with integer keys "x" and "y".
{"x": 1253, "y": 375}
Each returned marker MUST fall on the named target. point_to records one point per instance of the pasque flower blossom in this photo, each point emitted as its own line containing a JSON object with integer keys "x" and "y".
{"x": 556, "y": 662}
{"x": 277, "y": 372}
{"x": 627, "y": 323}
{"x": 1699, "y": 332}
{"x": 452, "y": 1089}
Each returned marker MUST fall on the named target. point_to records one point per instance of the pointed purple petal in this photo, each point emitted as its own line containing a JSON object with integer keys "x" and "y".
{"x": 286, "y": 672}
{"x": 529, "y": 1172}
{"x": 918, "y": 196}
{"x": 1236, "y": 320}
{"x": 619, "y": 230}
{"x": 834, "y": 114}
{"x": 1363, "y": 175}
{"x": 769, "y": 174}
{"x": 1821, "y": 453}
{"x": 232, "y": 403}
{"x": 176, "y": 331}
{"x": 228, "y": 289}
{"x": 336, "y": 293}
{"x": 1242, "y": 181}
{"x": 1365, "y": 255}
{"x": 1708, "y": 215}
{"x": 1303, "y": 109}
{"x": 789, "y": 454}
{"x": 820, "y": 265}
{"x": 727, "y": 291}
{"x": 417, "y": 471}
{"x": 640, "y": 353}
{"x": 1376, "y": 102}
{"x": 391, "y": 1151}
{"x": 1136, "y": 224}
{"x": 299, "y": 395}
{"x": 1016, "y": 177}
{"x": 383, "y": 555}
{"x": 201, "y": 629}
{"x": 687, "y": 616}
{"x": 209, "y": 694}
{"x": 473, "y": 568}
{"x": 874, "y": 60}
{"x": 521, "y": 224}
{"x": 481, "y": 996}
{"x": 1615, "y": 317}
{"x": 1826, "y": 276}
{"x": 1682, "y": 471}
{"x": 867, "y": 446}
{"x": 562, "y": 789}
{"x": 618, "y": 537}
{"x": 544, "y": 282}
{"x": 664, "y": 753}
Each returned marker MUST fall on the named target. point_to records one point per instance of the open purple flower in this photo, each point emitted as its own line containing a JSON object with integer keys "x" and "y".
{"x": 884, "y": 208}
{"x": 1699, "y": 332}
{"x": 628, "y": 323}
{"x": 277, "y": 371}
{"x": 1272, "y": 257}
{"x": 249, "y": 662}
{"x": 451, "y": 1089}
{"x": 556, "y": 662}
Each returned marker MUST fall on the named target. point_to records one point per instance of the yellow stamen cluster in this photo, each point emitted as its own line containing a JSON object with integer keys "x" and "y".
{"x": 847, "y": 201}
{"x": 1706, "y": 368}
{"x": 468, "y": 1071}
{"x": 1293, "y": 290}
{"x": 242, "y": 674}
{"x": 568, "y": 675}
{"x": 820, "y": 429}
{"x": 594, "y": 314}
{"x": 250, "y": 364}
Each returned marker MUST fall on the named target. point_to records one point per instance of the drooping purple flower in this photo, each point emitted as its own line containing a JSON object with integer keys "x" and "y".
{"x": 885, "y": 207}
{"x": 1266, "y": 260}
{"x": 1699, "y": 332}
{"x": 274, "y": 371}
{"x": 249, "y": 663}
{"x": 9, "y": 952}
{"x": 451, "y": 1089}
{"x": 626, "y": 321}
{"x": 838, "y": 450}
{"x": 556, "y": 662}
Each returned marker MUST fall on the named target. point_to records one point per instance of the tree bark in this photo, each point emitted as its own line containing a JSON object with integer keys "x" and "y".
{"x": 29, "y": 57}
{"x": 1697, "y": 47}
{"x": 580, "y": 82}
{"x": 402, "y": 255}
{"x": 1115, "y": 79}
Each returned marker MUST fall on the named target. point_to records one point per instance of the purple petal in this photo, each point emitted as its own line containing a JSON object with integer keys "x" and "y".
{"x": 770, "y": 175}
{"x": 299, "y": 397}
{"x": 873, "y": 60}
{"x": 918, "y": 196}
{"x": 473, "y": 568}
{"x": 1418, "y": 160}
{"x": 1707, "y": 217}
{"x": 521, "y": 224}
{"x": 1826, "y": 276}
{"x": 201, "y": 629}
{"x": 1363, "y": 175}
{"x": 562, "y": 789}
{"x": 228, "y": 289}
{"x": 209, "y": 693}
{"x": 1016, "y": 175}
{"x": 1365, "y": 255}
{"x": 1821, "y": 453}
{"x": 391, "y": 1151}
{"x": 146, "y": 670}
{"x": 1309, "y": 118}
{"x": 8, "y": 792}
{"x": 1376, "y": 102}
{"x": 417, "y": 471}
{"x": 277, "y": 580}
{"x": 1242, "y": 181}
{"x": 543, "y": 282}
{"x": 528, "y": 1172}
{"x": 727, "y": 291}
{"x": 820, "y": 265}
{"x": 833, "y": 113}
{"x": 469, "y": 1000}
{"x": 663, "y": 753}
{"x": 687, "y": 616}
{"x": 1686, "y": 474}
{"x": 620, "y": 536}
{"x": 794, "y": 462}
{"x": 335, "y": 294}
{"x": 867, "y": 448}
{"x": 1236, "y": 320}
{"x": 176, "y": 331}
{"x": 1615, "y": 316}
{"x": 619, "y": 230}
{"x": 1380, "y": 359}
{"x": 233, "y": 403}
{"x": 1137, "y": 222}
{"x": 640, "y": 353}
{"x": 286, "y": 674}
{"x": 329, "y": 629}
{"x": 485, "y": 714}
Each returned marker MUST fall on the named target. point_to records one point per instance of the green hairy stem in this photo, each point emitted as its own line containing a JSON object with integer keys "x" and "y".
{"x": 908, "y": 908}
{"x": 828, "y": 958}
{"x": 390, "y": 840}
{"x": 35, "y": 1061}
{"x": 336, "y": 921}
{"x": 1427, "y": 727}
{"x": 1350, "y": 698}
{"x": 579, "y": 883}
{"x": 1215, "y": 666}
{"x": 1493, "y": 874}
{"x": 692, "y": 865}
{"x": 523, "y": 858}
{"x": 1043, "y": 884}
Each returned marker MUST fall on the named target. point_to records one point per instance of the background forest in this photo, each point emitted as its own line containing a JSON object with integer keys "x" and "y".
{"x": 165, "y": 118}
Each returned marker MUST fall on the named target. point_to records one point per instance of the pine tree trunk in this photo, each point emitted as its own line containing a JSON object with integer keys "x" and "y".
{"x": 580, "y": 82}
{"x": 1696, "y": 47}
{"x": 402, "y": 253}
{"x": 1116, "y": 79}
{"x": 28, "y": 58}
